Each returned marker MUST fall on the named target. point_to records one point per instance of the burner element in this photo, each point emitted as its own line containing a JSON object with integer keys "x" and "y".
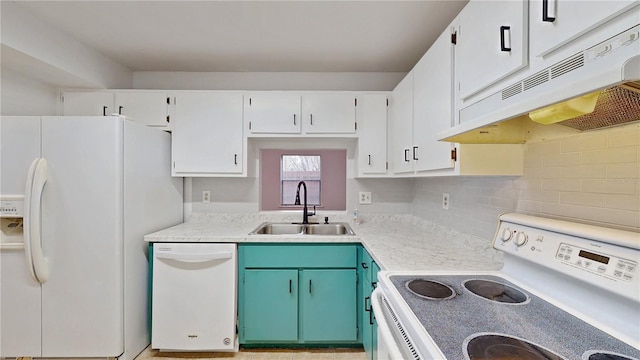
{"x": 498, "y": 347}
{"x": 605, "y": 355}
{"x": 494, "y": 291}
{"x": 431, "y": 290}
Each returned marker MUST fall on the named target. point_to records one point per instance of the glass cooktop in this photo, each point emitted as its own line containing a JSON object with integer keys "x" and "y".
{"x": 467, "y": 315}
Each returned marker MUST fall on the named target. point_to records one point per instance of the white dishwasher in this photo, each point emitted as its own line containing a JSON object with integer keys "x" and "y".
{"x": 194, "y": 297}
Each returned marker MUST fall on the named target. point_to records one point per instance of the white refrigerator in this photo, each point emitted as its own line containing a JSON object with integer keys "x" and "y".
{"x": 76, "y": 284}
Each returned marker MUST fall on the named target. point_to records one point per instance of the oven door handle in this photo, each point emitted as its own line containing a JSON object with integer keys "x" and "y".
{"x": 385, "y": 338}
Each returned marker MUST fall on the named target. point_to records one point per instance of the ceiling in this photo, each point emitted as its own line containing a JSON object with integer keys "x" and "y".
{"x": 254, "y": 36}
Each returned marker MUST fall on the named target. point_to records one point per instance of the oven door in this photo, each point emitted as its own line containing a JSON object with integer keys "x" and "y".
{"x": 393, "y": 342}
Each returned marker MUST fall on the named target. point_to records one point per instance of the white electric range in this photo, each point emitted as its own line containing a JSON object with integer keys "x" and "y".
{"x": 566, "y": 291}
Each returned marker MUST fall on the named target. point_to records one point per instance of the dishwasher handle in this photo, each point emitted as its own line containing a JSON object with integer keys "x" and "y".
{"x": 194, "y": 257}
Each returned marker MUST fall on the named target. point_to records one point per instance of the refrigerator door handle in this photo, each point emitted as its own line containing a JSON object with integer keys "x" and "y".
{"x": 36, "y": 179}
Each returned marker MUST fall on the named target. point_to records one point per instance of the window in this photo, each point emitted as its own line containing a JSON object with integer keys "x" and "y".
{"x": 323, "y": 171}
{"x": 296, "y": 168}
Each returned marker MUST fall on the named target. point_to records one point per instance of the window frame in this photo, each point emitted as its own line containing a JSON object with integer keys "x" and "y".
{"x": 307, "y": 182}
{"x": 333, "y": 169}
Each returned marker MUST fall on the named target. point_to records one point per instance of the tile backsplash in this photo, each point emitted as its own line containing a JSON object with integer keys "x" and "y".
{"x": 593, "y": 177}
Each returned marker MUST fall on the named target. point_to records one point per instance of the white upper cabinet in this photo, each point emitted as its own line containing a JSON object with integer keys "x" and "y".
{"x": 371, "y": 114}
{"x": 554, "y": 24}
{"x": 491, "y": 43}
{"x": 272, "y": 112}
{"x": 433, "y": 106}
{"x": 83, "y": 103}
{"x": 401, "y": 126}
{"x": 144, "y": 107}
{"x": 329, "y": 113}
{"x": 207, "y": 137}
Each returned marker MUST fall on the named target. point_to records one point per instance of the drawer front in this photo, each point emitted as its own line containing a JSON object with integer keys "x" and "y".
{"x": 298, "y": 256}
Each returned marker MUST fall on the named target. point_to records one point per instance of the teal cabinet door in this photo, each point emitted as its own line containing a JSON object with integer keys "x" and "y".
{"x": 270, "y": 305}
{"x": 367, "y": 320}
{"x": 374, "y": 327}
{"x": 328, "y": 305}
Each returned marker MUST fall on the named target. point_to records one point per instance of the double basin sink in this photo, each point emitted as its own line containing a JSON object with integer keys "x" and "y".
{"x": 303, "y": 229}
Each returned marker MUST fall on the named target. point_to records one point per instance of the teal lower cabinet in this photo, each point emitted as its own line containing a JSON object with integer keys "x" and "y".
{"x": 369, "y": 269}
{"x": 273, "y": 312}
{"x": 298, "y": 294}
{"x": 328, "y": 305}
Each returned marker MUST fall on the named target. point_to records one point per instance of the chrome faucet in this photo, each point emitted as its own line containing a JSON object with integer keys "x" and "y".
{"x": 305, "y": 210}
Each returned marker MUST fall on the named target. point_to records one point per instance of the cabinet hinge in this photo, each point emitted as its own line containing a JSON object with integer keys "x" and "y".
{"x": 174, "y": 165}
{"x": 357, "y": 332}
{"x": 387, "y": 102}
{"x": 387, "y": 165}
{"x": 168, "y": 100}
{"x": 356, "y": 125}
{"x": 454, "y": 37}
{"x": 168, "y": 119}
{"x": 249, "y": 101}
{"x": 62, "y": 98}
{"x": 454, "y": 154}
{"x": 355, "y": 102}
{"x": 249, "y": 125}
{"x": 175, "y": 101}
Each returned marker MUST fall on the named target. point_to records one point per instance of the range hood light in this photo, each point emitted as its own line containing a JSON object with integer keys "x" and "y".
{"x": 566, "y": 110}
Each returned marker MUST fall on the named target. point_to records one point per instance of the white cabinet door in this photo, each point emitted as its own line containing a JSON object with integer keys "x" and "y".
{"x": 88, "y": 103}
{"x": 432, "y": 106}
{"x": 145, "y": 107}
{"x": 491, "y": 43}
{"x": 401, "y": 126}
{"x": 371, "y": 114}
{"x": 207, "y": 134}
{"x": 329, "y": 113}
{"x": 555, "y": 23}
{"x": 272, "y": 112}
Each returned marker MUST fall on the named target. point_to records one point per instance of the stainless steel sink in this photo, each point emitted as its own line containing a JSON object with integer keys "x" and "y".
{"x": 278, "y": 229}
{"x": 303, "y": 229}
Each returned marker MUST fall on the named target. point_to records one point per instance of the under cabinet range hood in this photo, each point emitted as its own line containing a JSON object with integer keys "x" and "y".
{"x": 596, "y": 88}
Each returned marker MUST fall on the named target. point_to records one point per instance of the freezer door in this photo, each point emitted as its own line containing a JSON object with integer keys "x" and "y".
{"x": 82, "y": 237}
{"x": 20, "y": 294}
{"x": 20, "y": 145}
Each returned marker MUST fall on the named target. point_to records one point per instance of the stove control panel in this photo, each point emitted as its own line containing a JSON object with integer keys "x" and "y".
{"x": 606, "y": 258}
{"x": 599, "y": 263}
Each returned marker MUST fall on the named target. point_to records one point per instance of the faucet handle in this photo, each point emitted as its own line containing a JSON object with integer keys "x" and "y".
{"x": 314, "y": 211}
{"x": 326, "y": 219}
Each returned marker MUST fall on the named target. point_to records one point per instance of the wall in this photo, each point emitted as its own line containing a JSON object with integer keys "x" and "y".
{"x": 34, "y": 38}
{"x": 365, "y": 81}
{"x": 25, "y": 96}
{"x": 593, "y": 177}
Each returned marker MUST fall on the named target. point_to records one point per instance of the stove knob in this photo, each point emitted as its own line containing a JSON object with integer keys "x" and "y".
{"x": 521, "y": 239}
{"x": 505, "y": 235}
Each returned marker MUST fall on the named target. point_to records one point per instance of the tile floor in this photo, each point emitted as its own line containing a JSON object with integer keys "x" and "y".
{"x": 262, "y": 354}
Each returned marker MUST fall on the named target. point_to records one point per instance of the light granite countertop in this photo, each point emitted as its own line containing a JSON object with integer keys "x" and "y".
{"x": 396, "y": 242}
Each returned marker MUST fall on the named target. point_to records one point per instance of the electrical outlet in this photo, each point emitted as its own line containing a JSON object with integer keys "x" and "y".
{"x": 206, "y": 196}
{"x": 365, "y": 197}
{"x": 445, "y": 201}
